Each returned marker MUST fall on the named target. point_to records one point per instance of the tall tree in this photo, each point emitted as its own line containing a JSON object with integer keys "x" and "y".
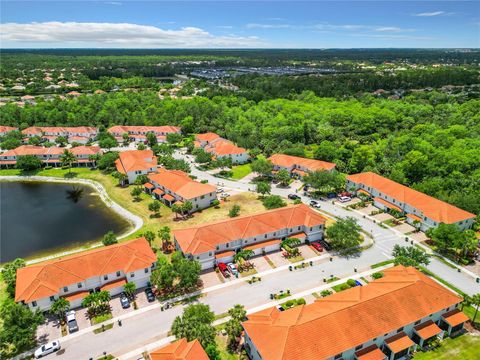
{"x": 196, "y": 322}
{"x": 264, "y": 188}
{"x": 9, "y": 274}
{"x": 233, "y": 326}
{"x": 67, "y": 159}
{"x": 262, "y": 167}
{"x": 410, "y": 256}
{"x": 283, "y": 177}
{"x": 60, "y": 307}
{"x": 344, "y": 234}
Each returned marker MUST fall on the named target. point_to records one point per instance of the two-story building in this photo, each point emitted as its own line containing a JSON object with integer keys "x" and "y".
{"x": 134, "y": 163}
{"x": 79, "y": 134}
{"x": 418, "y": 207}
{"x": 4, "y": 130}
{"x": 298, "y": 166}
{"x": 221, "y": 148}
{"x": 385, "y": 319}
{"x": 75, "y": 276}
{"x": 139, "y": 133}
{"x": 262, "y": 233}
{"x": 175, "y": 186}
{"x": 181, "y": 349}
{"x": 49, "y": 155}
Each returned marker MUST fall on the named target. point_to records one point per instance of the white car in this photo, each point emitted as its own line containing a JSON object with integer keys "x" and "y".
{"x": 344, "y": 199}
{"x": 71, "y": 321}
{"x": 220, "y": 190}
{"x": 232, "y": 268}
{"x": 48, "y": 348}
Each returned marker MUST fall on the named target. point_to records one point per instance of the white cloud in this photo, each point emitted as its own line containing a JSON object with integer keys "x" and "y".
{"x": 225, "y": 26}
{"x": 392, "y": 29}
{"x": 118, "y": 3}
{"x": 269, "y": 26}
{"x": 433, "y": 13}
{"x": 392, "y": 37}
{"x": 71, "y": 34}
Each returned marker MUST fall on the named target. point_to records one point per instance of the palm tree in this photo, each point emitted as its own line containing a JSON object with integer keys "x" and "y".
{"x": 97, "y": 302}
{"x": 164, "y": 234}
{"x": 176, "y": 209}
{"x": 243, "y": 254}
{"x": 476, "y": 303}
{"x": 59, "y": 307}
{"x": 290, "y": 242}
{"x": 68, "y": 158}
{"x": 129, "y": 289}
{"x": 467, "y": 300}
{"x": 187, "y": 207}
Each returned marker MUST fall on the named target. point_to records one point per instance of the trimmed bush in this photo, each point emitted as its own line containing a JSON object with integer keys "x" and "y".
{"x": 351, "y": 282}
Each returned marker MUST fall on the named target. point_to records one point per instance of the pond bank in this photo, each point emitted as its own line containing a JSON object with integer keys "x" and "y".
{"x": 135, "y": 221}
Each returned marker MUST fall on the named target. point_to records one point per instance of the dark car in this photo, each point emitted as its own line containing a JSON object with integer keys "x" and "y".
{"x": 325, "y": 245}
{"x": 150, "y": 295}
{"x": 71, "y": 321}
{"x": 293, "y": 196}
{"x": 124, "y": 301}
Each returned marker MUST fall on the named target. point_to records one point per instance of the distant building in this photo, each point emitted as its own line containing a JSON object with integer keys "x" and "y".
{"x": 298, "y": 166}
{"x": 181, "y": 349}
{"x": 139, "y": 133}
{"x": 4, "y": 130}
{"x": 221, "y": 148}
{"x": 133, "y": 163}
{"x": 79, "y": 134}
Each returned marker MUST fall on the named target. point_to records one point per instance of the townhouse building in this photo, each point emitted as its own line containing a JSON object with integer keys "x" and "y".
{"x": 418, "y": 208}
{"x": 385, "y": 319}
{"x": 50, "y": 156}
{"x": 221, "y": 148}
{"x": 181, "y": 349}
{"x": 262, "y": 233}
{"x": 139, "y": 133}
{"x": 79, "y": 134}
{"x": 134, "y": 163}
{"x": 176, "y": 187}
{"x": 297, "y": 166}
{"x": 4, "y": 130}
{"x": 75, "y": 276}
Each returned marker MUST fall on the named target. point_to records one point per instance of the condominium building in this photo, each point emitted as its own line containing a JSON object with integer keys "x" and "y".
{"x": 384, "y": 319}
{"x": 262, "y": 232}
{"x": 298, "y": 166}
{"x": 75, "y": 276}
{"x": 139, "y": 133}
{"x": 4, "y": 130}
{"x": 175, "y": 186}
{"x": 80, "y": 134}
{"x": 134, "y": 163}
{"x": 221, "y": 148}
{"x": 180, "y": 350}
{"x": 419, "y": 208}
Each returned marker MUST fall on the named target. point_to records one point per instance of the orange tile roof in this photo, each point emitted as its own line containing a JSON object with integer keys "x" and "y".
{"x": 387, "y": 204}
{"x": 370, "y": 353}
{"x": 133, "y": 160}
{"x": 414, "y": 217}
{"x": 4, "y": 129}
{"x": 455, "y": 317}
{"x": 427, "y": 330}
{"x": 180, "y": 350}
{"x": 210, "y": 136}
{"x": 181, "y": 184}
{"x": 54, "y": 150}
{"x": 310, "y": 164}
{"x": 38, "y": 130}
{"x": 432, "y": 208}
{"x": 121, "y": 129}
{"x": 399, "y": 342}
{"x": 202, "y": 238}
{"x": 168, "y": 197}
{"x": 262, "y": 244}
{"x": 352, "y": 317}
{"x": 76, "y": 296}
{"x": 158, "y": 192}
{"x": 148, "y": 185}
{"x": 113, "y": 284}
{"x": 221, "y": 147}
{"x": 224, "y": 254}
{"x": 47, "y": 278}
{"x": 299, "y": 172}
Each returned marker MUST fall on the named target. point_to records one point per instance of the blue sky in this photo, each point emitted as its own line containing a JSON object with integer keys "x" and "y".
{"x": 217, "y": 24}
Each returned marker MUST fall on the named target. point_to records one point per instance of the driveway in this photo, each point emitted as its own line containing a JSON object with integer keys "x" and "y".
{"x": 277, "y": 258}
{"x": 260, "y": 264}
{"x": 419, "y": 236}
{"x": 116, "y": 307}
{"x": 307, "y": 251}
{"x": 367, "y": 210}
{"x": 405, "y": 228}
{"x": 211, "y": 278}
{"x": 382, "y": 217}
{"x": 82, "y": 318}
{"x": 49, "y": 330}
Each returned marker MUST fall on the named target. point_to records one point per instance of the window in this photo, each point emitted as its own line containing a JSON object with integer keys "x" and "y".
{"x": 118, "y": 273}
{"x": 218, "y": 247}
{"x": 79, "y": 285}
{"x": 400, "y": 329}
{"x": 299, "y": 228}
{"x": 65, "y": 289}
{"x": 417, "y": 322}
{"x": 227, "y": 245}
{"x": 132, "y": 274}
{"x": 209, "y": 254}
{"x": 34, "y": 303}
{"x": 52, "y": 298}
{"x": 311, "y": 228}
{"x": 265, "y": 236}
{"x": 198, "y": 257}
{"x": 202, "y": 197}
{"x": 338, "y": 356}
{"x": 105, "y": 277}
{"x": 146, "y": 270}
{"x": 358, "y": 347}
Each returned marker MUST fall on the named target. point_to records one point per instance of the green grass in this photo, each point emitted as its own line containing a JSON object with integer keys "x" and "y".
{"x": 240, "y": 171}
{"x": 444, "y": 282}
{"x": 101, "y": 318}
{"x": 332, "y": 279}
{"x": 465, "y": 347}
{"x": 341, "y": 287}
{"x": 222, "y": 346}
{"x": 383, "y": 263}
{"x": 296, "y": 259}
{"x": 103, "y": 329}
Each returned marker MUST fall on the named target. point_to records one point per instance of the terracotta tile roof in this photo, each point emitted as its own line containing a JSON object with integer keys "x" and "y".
{"x": 133, "y": 160}
{"x": 38, "y": 130}
{"x": 180, "y": 183}
{"x": 370, "y": 353}
{"x": 263, "y": 244}
{"x": 427, "y": 330}
{"x": 121, "y": 129}
{"x": 148, "y": 185}
{"x": 387, "y": 204}
{"x": 414, "y": 217}
{"x": 85, "y": 150}
{"x": 168, "y": 197}
{"x": 47, "y": 278}
{"x": 310, "y": 164}
{"x": 455, "y": 317}
{"x": 158, "y": 192}
{"x": 5, "y": 129}
{"x": 180, "y": 350}
{"x": 210, "y": 136}
{"x": 352, "y": 317}
{"x": 113, "y": 284}
{"x": 54, "y": 150}
{"x": 432, "y": 208}
{"x": 202, "y": 238}
{"x": 224, "y": 254}
{"x": 223, "y": 147}
{"x": 76, "y": 296}
{"x": 399, "y": 342}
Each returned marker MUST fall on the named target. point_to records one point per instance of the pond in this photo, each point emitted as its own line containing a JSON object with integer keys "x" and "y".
{"x": 39, "y": 218}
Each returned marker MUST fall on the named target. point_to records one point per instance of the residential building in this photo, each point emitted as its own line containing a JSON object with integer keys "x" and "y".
{"x": 139, "y": 133}
{"x": 75, "y": 276}
{"x": 384, "y": 319}
{"x": 419, "y": 208}
{"x": 175, "y": 186}
{"x": 79, "y": 134}
{"x": 4, "y": 130}
{"x": 133, "y": 163}
{"x": 201, "y": 140}
{"x": 221, "y": 148}
{"x": 180, "y": 350}
{"x": 298, "y": 166}
{"x": 50, "y": 155}
{"x": 262, "y": 232}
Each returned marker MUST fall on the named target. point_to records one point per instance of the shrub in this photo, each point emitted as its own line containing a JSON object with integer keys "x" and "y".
{"x": 351, "y": 282}
{"x": 377, "y": 275}
{"x": 326, "y": 293}
{"x": 290, "y": 303}
{"x": 301, "y": 301}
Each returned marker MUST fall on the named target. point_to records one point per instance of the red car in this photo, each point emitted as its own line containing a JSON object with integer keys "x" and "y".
{"x": 317, "y": 246}
{"x": 224, "y": 270}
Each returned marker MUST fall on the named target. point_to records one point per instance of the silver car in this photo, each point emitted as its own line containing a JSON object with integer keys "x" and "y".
{"x": 46, "y": 349}
{"x": 71, "y": 321}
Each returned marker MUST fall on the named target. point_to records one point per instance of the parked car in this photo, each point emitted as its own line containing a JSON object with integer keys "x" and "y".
{"x": 280, "y": 308}
{"x": 325, "y": 245}
{"x": 46, "y": 349}
{"x": 344, "y": 199}
{"x": 220, "y": 190}
{"x": 317, "y": 246}
{"x": 71, "y": 321}
{"x": 224, "y": 195}
{"x": 150, "y": 295}
{"x": 313, "y": 203}
{"x": 293, "y": 196}
{"x": 233, "y": 269}
{"x": 358, "y": 283}
{"x": 124, "y": 301}
{"x": 224, "y": 270}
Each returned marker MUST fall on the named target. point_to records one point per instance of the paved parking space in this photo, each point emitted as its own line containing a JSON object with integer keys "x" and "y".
{"x": 307, "y": 251}
{"x": 82, "y": 318}
{"x": 260, "y": 264}
{"x": 367, "y": 210}
{"x": 210, "y": 278}
{"x": 419, "y": 236}
{"x": 116, "y": 307}
{"x": 49, "y": 330}
{"x": 277, "y": 258}
{"x": 383, "y": 217}
{"x": 405, "y": 228}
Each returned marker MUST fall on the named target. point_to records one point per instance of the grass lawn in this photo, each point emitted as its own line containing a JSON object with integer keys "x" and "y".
{"x": 101, "y": 318}
{"x": 296, "y": 259}
{"x": 249, "y": 272}
{"x": 383, "y": 263}
{"x": 240, "y": 171}
{"x": 465, "y": 347}
{"x": 341, "y": 287}
{"x": 225, "y": 354}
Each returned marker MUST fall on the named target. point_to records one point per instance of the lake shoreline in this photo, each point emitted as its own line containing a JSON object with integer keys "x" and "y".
{"x": 135, "y": 221}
